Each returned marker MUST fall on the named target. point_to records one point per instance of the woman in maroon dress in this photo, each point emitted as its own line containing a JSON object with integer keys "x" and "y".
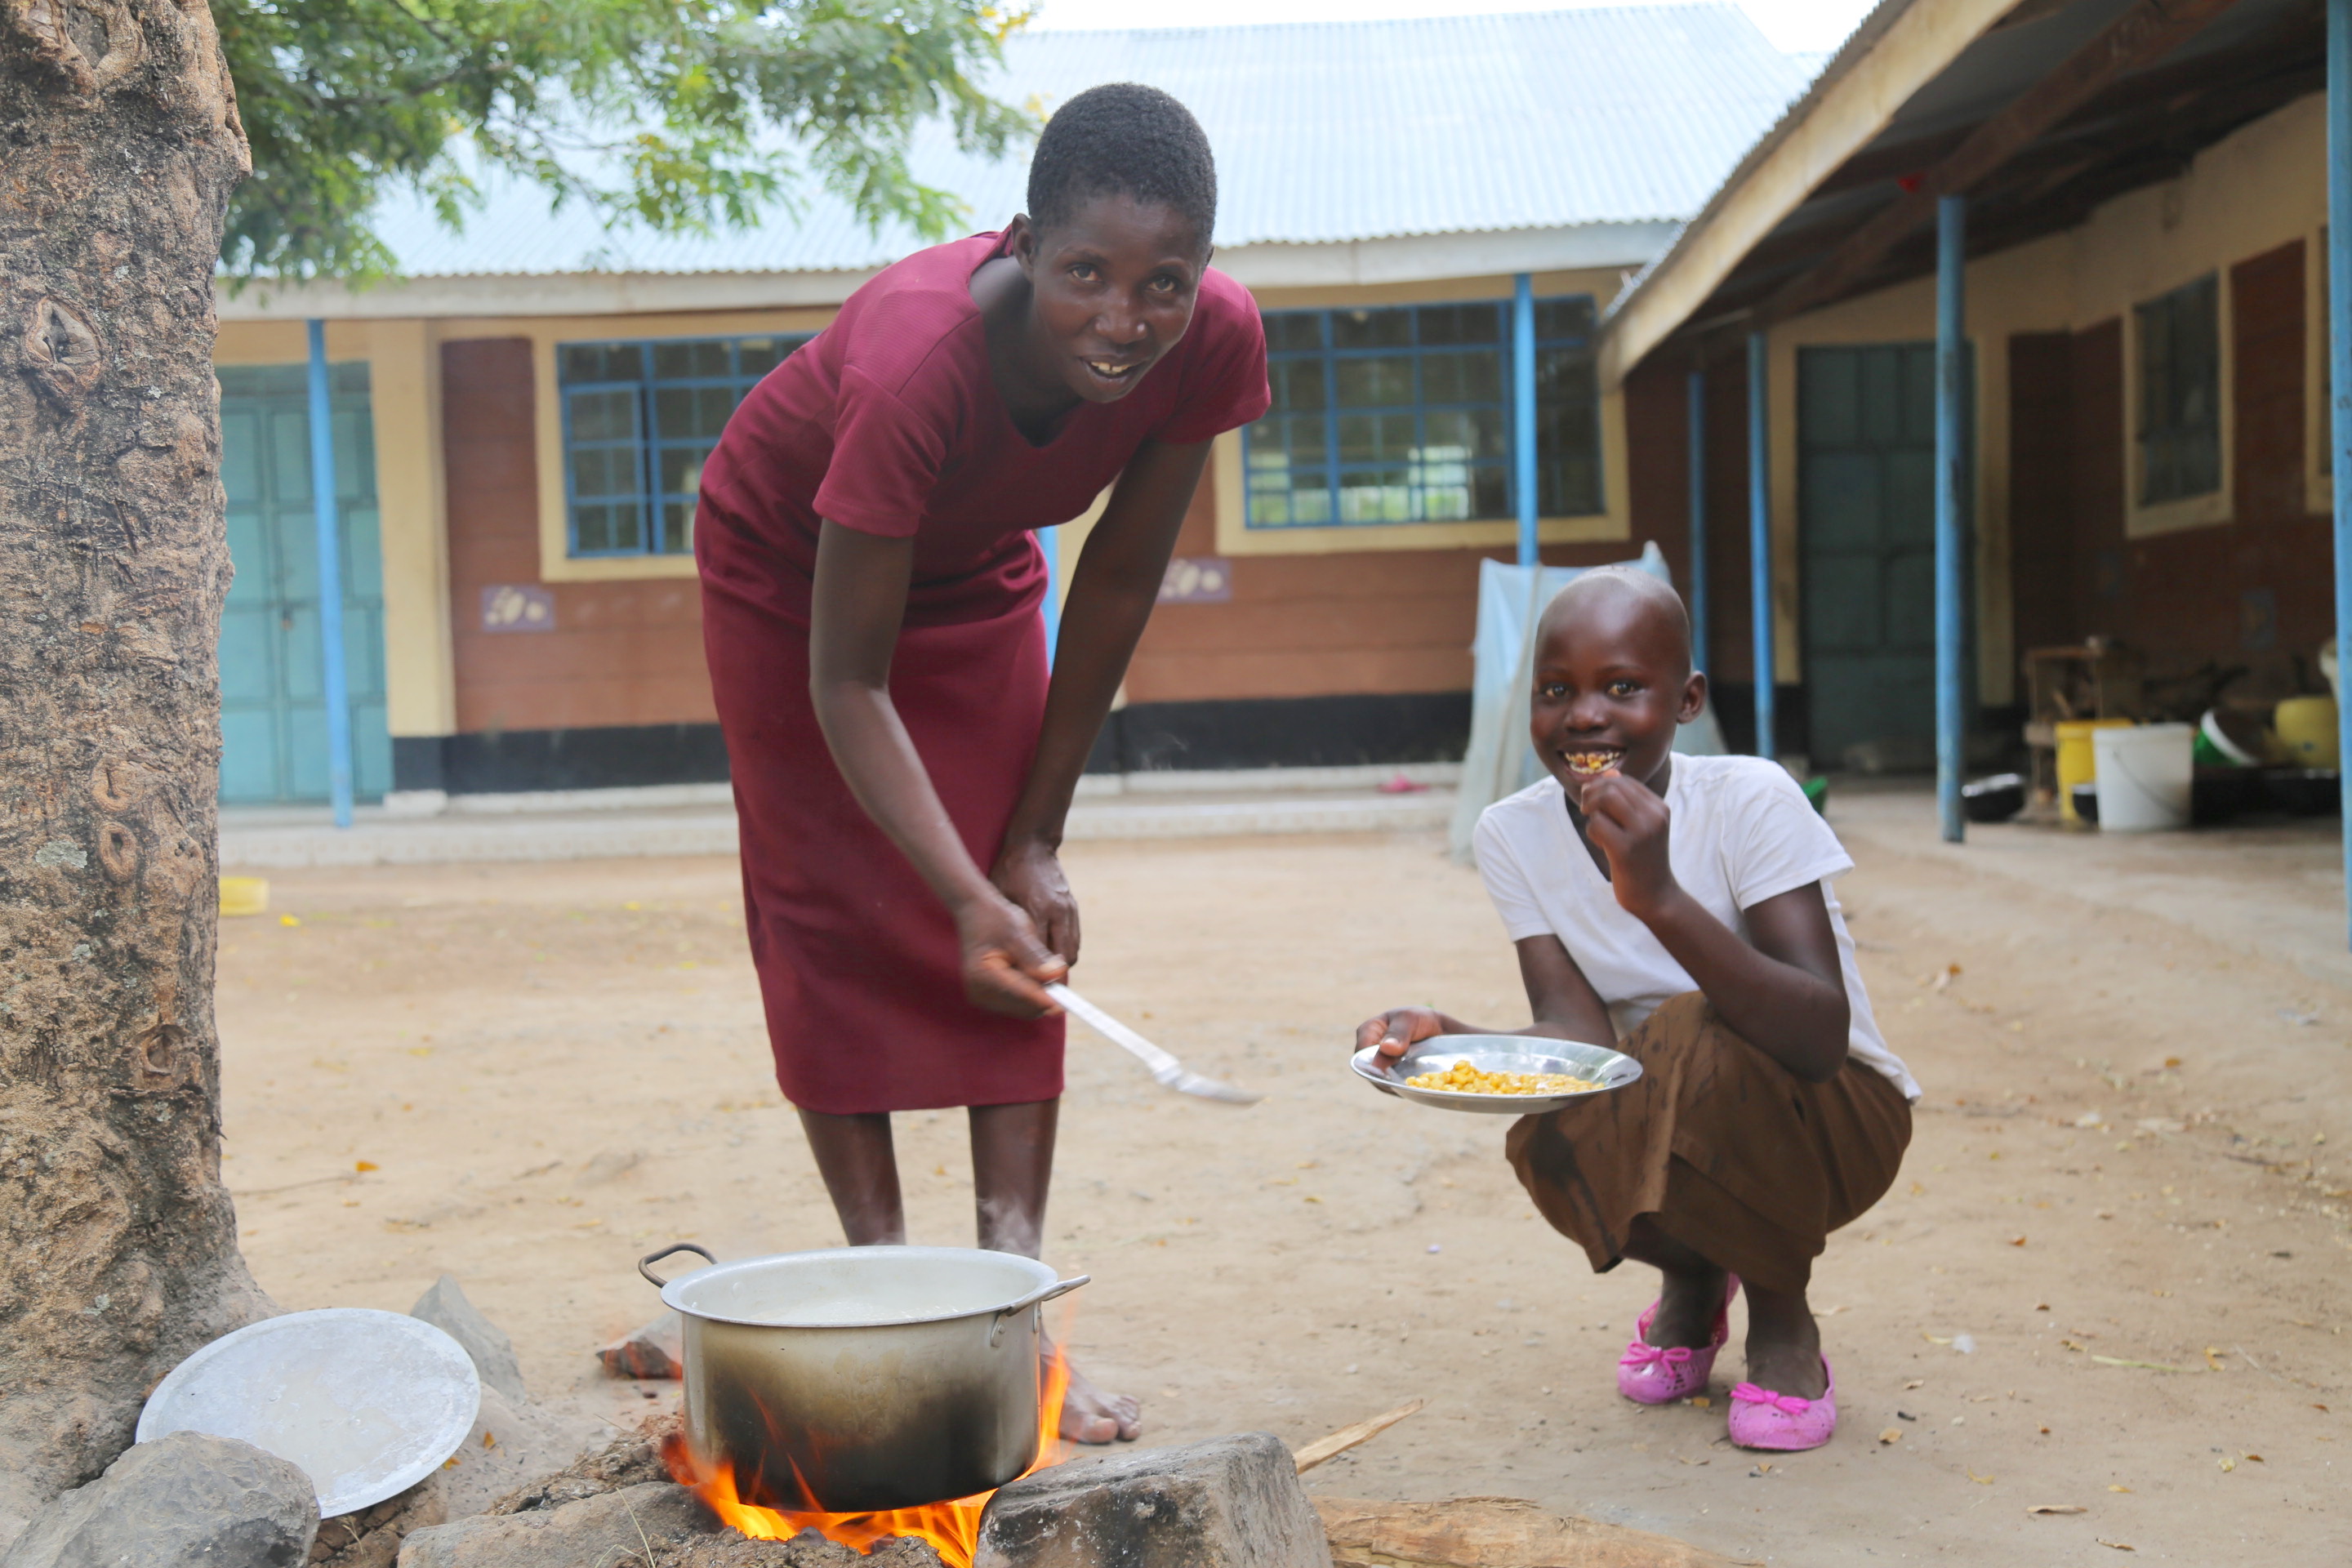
{"x": 871, "y": 595}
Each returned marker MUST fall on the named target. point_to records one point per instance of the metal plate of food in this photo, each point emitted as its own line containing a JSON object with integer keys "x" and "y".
{"x": 1460, "y": 1072}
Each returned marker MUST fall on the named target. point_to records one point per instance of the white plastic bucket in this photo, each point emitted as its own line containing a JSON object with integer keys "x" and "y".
{"x": 2144, "y": 774}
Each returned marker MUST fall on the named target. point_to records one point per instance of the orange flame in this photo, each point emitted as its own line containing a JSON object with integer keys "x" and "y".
{"x": 952, "y": 1529}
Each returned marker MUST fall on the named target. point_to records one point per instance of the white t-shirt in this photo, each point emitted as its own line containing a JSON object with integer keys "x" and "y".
{"x": 1742, "y": 832}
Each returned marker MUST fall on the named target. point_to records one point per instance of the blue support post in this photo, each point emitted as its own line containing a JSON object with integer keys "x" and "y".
{"x": 1697, "y": 596}
{"x": 1049, "y": 539}
{"x": 2339, "y": 355}
{"x": 1523, "y": 412}
{"x": 1951, "y": 386}
{"x": 334, "y": 678}
{"x": 1759, "y": 539}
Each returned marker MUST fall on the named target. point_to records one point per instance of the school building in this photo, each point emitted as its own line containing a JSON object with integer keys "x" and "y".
{"x": 520, "y": 419}
{"x": 2130, "y": 202}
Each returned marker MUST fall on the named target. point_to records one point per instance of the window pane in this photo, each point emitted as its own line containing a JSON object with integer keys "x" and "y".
{"x": 1568, "y": 318}
{"x": 599, "y": 471}
{"x": 1293, "y": 331}
{"x": 755, "y": 357}
{"x": 1371, "y": 329}
{"x": 1298, "y": 385}
{"x": 678, "y": 528}
{"x": 1421, "y": 423}
{"x": 1490, "y": 489}
{"x": 604, "y": 415}
{"x": 1380, "y": 495}
{"x": 1472, "y": 376}
{"x": 599, "y": 361}
{"x": 603, "y": 529}
{"x": 1375, "y": 438}
{"x": 696, "y": 411}
{"x": 681, "y": 469}
{"x": 692, "y": 360}
{"x": 1369, "y": 381}
{"x": 1461, "y": 324}
{"x": 2180, "y": 393}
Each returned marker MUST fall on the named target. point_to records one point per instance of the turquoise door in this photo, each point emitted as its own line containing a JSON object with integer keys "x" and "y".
{"x": 1866, "y": 517}
{"x": 273, "y": 706}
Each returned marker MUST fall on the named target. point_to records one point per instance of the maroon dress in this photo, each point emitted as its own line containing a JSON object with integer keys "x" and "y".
{"x": 889, "y": 423}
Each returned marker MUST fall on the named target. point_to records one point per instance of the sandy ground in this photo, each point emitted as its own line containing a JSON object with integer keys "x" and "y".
{"x": 2133, "y": 1148}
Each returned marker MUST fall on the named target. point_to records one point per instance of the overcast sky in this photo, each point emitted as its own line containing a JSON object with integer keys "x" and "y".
{"x": 1793, "y": 24}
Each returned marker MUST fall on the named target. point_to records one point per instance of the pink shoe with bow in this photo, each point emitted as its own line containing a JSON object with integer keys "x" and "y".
{"x": 1763, "y": 1419}
{"x": 1652, "y": 1374}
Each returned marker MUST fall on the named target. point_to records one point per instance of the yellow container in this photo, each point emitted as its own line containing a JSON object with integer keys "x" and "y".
{"x": 2075, "y": 762}
{"x": 243, "y": 895}
{"x": 2305, "y": 727}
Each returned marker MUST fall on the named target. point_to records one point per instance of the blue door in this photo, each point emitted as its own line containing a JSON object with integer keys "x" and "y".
{"x": 1866, "y": 517}
{"x": 273, "y": 709}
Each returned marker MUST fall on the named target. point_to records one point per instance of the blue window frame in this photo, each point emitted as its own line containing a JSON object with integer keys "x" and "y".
{"x": 639, "y": 420}
{"x": 1402, "y": 414}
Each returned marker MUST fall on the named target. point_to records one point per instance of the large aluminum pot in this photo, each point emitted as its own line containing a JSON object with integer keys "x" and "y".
{"x": 862, "y": 1378}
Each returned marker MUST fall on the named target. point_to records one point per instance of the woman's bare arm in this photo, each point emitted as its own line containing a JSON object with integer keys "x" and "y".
{"x": 1112, "y": 596}
{"x": 1565, "y": 1006}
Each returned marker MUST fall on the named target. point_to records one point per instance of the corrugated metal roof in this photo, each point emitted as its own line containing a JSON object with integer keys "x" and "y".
{"x": 1325, "y": 132}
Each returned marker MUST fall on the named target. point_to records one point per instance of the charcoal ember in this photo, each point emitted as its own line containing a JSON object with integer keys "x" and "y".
{"x": 181, "y": 1501}
{"x": 372, "y": 1537}
{"x": 631, "y": 1459}
{"x": 655, "y": 1350}
{"x": 644, "y": 1526}
{"x": 1229, "y": 1502}
{"x": 446, "y": 1308}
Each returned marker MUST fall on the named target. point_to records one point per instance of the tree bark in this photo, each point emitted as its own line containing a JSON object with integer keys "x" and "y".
{"x": 119, "y": 146}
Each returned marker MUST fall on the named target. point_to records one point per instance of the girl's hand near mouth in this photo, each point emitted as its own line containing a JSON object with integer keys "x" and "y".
{"x": 1628, "y": 822}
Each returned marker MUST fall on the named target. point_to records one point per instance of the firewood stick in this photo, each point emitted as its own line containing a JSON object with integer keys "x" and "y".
{"x": 1347, "y": 1438}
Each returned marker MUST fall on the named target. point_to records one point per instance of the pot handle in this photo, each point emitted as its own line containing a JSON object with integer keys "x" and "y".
{"x": 1036, "y": 1298}
{"x": 645, "y": 1264}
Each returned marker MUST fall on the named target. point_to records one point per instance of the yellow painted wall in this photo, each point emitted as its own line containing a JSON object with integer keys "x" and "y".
{"x": 2259, "y": 189}
{"x": 404, "y": 367}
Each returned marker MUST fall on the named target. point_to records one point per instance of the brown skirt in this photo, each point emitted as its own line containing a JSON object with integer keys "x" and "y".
{"x": 1738, "y": 1158}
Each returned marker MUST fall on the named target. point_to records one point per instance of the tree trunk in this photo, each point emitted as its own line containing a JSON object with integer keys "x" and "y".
{"x": 119, "y": 146}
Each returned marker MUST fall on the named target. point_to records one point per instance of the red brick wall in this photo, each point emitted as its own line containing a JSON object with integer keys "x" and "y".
{"x": 1657, "y": 432}
{"x": 622, "y": 653}
{"x": 630, "y": 653}
{"x": 2043, "y": 571}
{"x": 2198, "y": 597}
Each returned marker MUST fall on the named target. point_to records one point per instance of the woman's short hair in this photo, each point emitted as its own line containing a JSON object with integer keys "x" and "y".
{"x": 1123, "y": 139}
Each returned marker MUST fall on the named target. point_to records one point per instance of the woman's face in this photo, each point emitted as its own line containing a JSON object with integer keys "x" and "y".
{"x": 1113, "y": 289}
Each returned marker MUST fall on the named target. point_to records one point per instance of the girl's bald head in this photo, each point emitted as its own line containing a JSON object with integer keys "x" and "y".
{"x": 1622, "y": 607}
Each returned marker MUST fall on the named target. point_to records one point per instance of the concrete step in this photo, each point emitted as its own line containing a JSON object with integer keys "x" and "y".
{"x": 580, "y": 825}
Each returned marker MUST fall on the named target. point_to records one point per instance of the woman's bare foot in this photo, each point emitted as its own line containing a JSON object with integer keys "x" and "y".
{"x": 1784, "y": 1344}
{"x": 1090, "y": 1416}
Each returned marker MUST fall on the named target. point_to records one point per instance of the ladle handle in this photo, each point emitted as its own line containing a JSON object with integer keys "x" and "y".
{"x": 1036, "y": 1298}
{"x": 645, "y": 1264}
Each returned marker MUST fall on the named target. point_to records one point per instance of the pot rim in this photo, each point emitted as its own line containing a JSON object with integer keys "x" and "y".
{"x": 1042, "y": 1279}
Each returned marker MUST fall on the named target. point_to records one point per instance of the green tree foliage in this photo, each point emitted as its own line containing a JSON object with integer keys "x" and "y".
{"x": 685, "y": 115}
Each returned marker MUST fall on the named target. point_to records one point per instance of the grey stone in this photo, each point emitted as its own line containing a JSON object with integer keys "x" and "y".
{"x": 1229, "y": 1502}
{"x": 512, "y": 1445}
{"x": 656, "y": 1349}
{"x": 446, "y": 1308}
{"x": 614, "y": 1529}
{"x": 188, "y": 1501}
